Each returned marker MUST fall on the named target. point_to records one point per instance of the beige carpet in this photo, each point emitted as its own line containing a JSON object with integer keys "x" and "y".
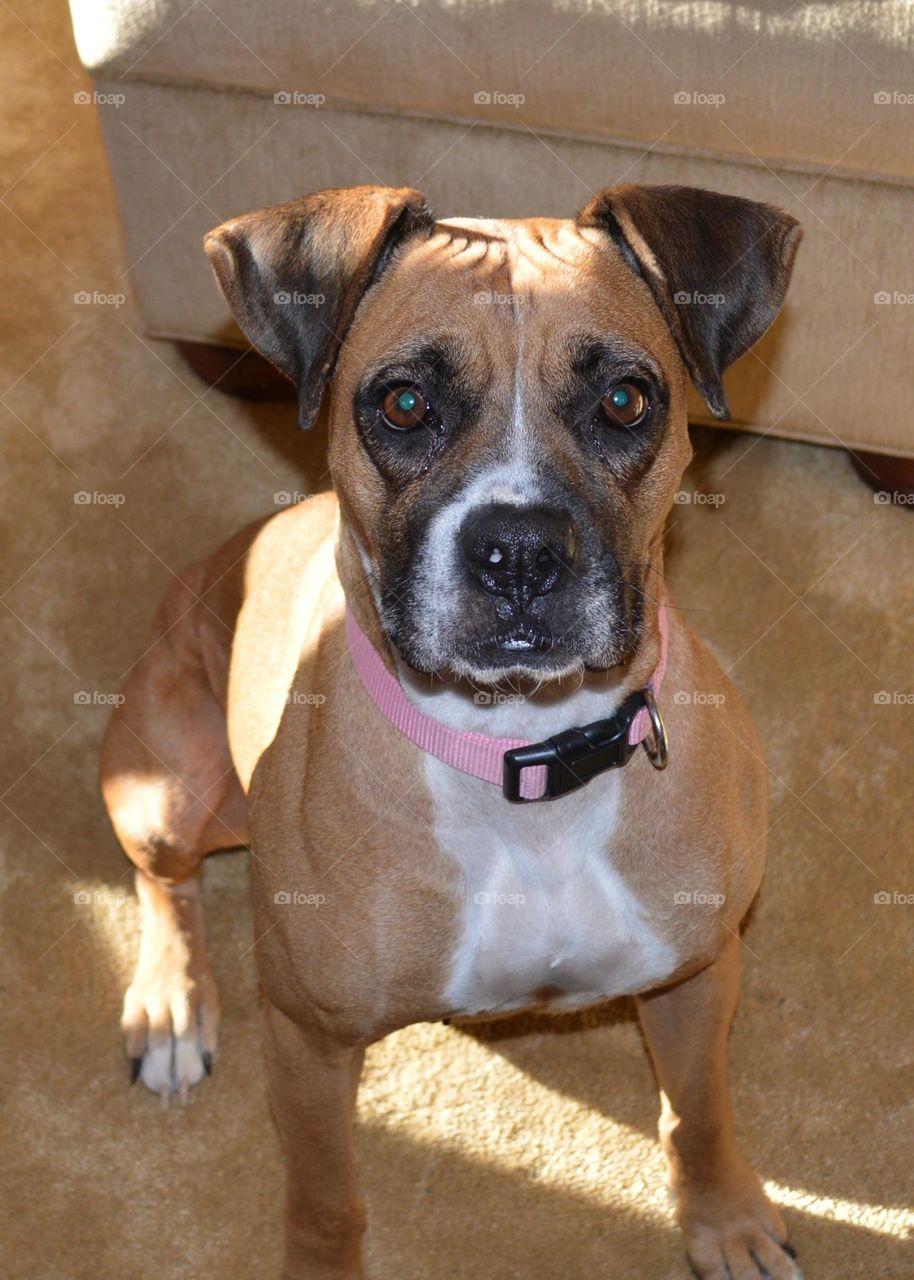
{"x": 521, "y": 1153}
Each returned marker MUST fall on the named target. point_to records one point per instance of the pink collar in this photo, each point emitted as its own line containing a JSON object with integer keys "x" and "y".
{"x": 533, "y": 771}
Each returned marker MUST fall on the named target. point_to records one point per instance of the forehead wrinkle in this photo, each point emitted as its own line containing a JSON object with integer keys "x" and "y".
{"x": 479, "y": 241}
{"x": 542, "y": 247}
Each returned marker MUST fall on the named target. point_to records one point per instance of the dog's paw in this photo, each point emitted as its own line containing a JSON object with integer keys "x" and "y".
{"x": 737, "y": 1238}
{"x": 170, "y": 1023}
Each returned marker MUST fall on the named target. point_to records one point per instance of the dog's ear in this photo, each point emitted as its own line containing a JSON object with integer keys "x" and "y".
{"x": 295, "y": 274}
{"x": 718, "y": 267}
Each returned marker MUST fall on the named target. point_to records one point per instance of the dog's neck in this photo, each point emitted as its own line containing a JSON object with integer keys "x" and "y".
{"x": 505, "y": 712}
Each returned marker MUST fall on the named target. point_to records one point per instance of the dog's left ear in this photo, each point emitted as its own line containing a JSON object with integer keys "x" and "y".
{"x": 718, "y": 267}
{"x": 295, "y": 274}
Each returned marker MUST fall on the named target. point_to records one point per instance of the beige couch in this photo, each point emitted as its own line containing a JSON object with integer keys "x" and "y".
{"x": 511, "y": 107}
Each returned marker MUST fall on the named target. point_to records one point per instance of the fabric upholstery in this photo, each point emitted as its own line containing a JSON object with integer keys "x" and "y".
{"x": 799, "y": 80}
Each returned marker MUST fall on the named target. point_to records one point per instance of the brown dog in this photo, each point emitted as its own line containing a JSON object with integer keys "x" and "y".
{"x": 508, "y": 430}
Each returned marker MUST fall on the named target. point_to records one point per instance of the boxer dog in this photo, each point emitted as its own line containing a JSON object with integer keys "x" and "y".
{"x": 419, "y": 699}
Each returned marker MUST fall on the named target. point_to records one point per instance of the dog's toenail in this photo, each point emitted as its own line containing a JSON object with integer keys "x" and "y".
{"x": 136, "y": 1065}
{"x": 208, "y": 1063}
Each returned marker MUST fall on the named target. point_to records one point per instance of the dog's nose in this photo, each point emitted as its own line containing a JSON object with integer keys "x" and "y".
{"x": 518, "y": 552}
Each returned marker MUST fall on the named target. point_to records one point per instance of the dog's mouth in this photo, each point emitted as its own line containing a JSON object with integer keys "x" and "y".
{"x": 526, "y": 649}
{"x": 521, "y": 639}
{"x": 521, "y": 654}
{"x": 522, "y": 651}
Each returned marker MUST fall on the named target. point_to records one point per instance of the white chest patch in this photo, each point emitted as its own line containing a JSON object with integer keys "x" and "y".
{"x": 544, "y": 906}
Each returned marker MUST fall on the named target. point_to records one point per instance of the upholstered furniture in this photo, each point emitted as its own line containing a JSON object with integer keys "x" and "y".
{"x": 512, "y": 107}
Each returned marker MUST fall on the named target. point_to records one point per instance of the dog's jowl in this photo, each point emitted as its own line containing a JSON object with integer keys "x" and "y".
{"x": 438, "y": 702}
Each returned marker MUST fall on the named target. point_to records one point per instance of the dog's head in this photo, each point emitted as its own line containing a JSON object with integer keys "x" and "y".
{"x": 507, "y": 399}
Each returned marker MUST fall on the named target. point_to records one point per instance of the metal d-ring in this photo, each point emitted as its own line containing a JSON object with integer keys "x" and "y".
{"x": 658, "y": 752}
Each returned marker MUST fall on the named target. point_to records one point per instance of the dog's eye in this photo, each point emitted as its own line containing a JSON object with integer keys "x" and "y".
{"x": 626, "y": 405}
{"x": 405, "y": 408}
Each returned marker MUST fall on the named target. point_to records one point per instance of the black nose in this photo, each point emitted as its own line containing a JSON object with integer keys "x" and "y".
{"x": 518, "y": 552}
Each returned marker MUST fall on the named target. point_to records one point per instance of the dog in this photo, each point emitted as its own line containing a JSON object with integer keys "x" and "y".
{"x": 421, "y": 699}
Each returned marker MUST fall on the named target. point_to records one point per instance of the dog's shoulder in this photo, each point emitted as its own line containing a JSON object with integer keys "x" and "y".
{"x": 291, "y": 536}
{"x": 290, "y": 590}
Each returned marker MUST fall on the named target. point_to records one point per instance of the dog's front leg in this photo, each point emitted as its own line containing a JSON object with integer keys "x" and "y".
{"x": 313, "y": 1084}
{"x": 730, "y": 1228}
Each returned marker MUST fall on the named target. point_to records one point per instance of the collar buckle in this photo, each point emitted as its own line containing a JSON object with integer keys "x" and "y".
{"x": 575, "y": 756}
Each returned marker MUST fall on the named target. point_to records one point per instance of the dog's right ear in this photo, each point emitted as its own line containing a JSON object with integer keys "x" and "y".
{"x": 295, "y": 274}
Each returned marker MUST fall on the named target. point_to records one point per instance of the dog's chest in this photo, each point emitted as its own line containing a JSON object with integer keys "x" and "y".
{"x": 545, "y": 915}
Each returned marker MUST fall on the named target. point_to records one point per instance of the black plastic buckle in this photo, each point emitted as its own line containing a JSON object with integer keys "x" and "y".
{"x": 574, "y": 757}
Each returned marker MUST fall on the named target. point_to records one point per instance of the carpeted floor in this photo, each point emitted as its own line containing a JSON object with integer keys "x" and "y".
{"x": 518, "y": 1153}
